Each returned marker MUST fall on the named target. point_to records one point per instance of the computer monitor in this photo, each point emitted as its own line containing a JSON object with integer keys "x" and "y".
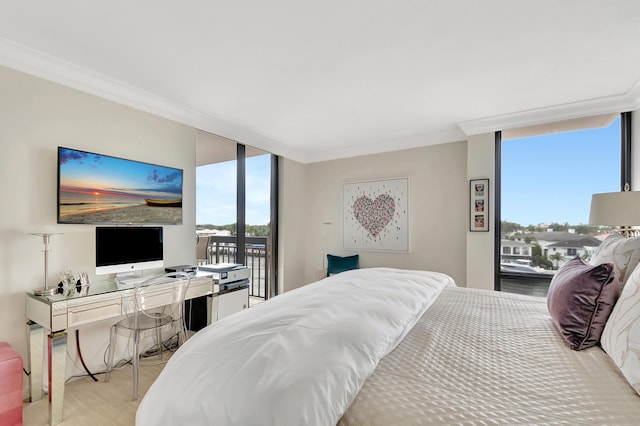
{"x": 128, "y": 250}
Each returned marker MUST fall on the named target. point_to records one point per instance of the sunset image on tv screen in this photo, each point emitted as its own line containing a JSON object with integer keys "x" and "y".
{"x": 95, "y": 188}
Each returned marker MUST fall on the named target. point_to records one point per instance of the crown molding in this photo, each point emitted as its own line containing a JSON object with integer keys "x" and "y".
{"x": 629, "y": 101}
{"x": 397, "y": 144}
{"x": 39, "y": 64}
{"x": 36, "y": 63}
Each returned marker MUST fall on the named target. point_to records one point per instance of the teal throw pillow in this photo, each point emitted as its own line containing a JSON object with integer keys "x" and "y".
{"x": 337, "y": 264}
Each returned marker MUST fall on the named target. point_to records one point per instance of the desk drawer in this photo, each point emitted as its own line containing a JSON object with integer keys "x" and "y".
{"x": 198, "y": 288}
{"x": 92, "y": 312}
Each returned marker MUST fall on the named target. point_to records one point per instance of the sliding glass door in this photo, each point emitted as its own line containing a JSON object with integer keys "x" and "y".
{"x": 234, "y": 203}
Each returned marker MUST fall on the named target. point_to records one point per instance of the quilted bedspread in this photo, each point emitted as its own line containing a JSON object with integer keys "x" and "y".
{"x": 482, "y": 357}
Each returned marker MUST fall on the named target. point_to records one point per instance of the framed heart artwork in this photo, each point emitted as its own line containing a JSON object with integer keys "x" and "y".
{"x": 376, "y": 215}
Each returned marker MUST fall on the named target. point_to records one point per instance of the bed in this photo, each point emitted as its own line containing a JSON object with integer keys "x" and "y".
{"x": 384, "y": 346}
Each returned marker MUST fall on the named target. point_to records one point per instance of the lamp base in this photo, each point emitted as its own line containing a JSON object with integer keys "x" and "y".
{"x": 49, "y": 291}
{"x": 629, "y": 231}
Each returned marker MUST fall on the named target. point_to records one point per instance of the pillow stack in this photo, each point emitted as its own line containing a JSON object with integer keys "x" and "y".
{"x": 622, "y": 252}
{"x": 621, "y": 335}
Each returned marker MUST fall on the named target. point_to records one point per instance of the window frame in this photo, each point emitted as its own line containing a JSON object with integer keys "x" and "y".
{"x": 625, "y": 178}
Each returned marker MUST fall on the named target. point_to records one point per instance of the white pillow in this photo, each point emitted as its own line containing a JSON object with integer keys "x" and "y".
{"x": 621, "y": 335}
{"x": 623, "y": 252}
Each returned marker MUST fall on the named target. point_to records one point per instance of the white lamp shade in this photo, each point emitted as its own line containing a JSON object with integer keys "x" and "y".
{"x": 615, "y": 208}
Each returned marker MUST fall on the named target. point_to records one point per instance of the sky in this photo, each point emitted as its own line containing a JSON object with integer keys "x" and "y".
{"x": 216, "y": 192}
{"x": 551, "y": 178}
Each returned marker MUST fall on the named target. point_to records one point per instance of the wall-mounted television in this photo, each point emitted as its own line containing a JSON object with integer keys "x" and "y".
{"x": 101, "y": 189}
{"x": 128, "y": 249}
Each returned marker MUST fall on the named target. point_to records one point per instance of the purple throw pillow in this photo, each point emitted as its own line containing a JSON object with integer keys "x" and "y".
{"x": 580, "y": 300}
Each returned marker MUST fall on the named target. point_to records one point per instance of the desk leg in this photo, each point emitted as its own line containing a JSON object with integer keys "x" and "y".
{"x": 35, "y": 348}
{"x": 209, "y": 309}
{"x": 57, "y": 365}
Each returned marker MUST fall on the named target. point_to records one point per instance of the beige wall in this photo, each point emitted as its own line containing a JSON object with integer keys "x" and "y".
{"x": 36, "y": 117}
{"x": 437, "y": 216}
{"x": 479, "y": 249}
{"x": 292, "y": 235}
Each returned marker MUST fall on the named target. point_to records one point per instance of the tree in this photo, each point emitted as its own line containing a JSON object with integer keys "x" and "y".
{"x": 536, "y": 250}
{"x": 557, "y": 257}
{"x": 537, "y": 259}
{"x": 557, "y": 227}
{"x": 509, "y": 227}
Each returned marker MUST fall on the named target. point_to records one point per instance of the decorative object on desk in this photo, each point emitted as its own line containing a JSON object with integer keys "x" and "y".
{"x": 479, "y": 205}
{"x": 376, "y": 215}
{"x": 46, "y": 234}
{"x": 67, "y": 284}
{"x": 618, "y": 209}
{"x": 337, "y": 264}
{"x": 83, "y": 284}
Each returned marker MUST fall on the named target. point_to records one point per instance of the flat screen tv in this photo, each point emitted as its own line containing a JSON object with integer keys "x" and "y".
{"x": 128, "y": 249}
{"x": 100, "y": 189}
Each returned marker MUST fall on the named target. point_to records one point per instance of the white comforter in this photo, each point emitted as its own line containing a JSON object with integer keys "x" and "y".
{"x": 298, "y": 359}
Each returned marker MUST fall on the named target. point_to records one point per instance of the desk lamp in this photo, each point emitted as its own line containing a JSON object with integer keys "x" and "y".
{"x": 46, "y": 236}
{"x": 617, "y": 209}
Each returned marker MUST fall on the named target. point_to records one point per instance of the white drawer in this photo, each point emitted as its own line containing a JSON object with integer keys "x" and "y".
{"x": 91, "y": 312}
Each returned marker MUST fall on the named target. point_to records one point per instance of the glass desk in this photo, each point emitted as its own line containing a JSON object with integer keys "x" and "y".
{"x": 55, "y": 314}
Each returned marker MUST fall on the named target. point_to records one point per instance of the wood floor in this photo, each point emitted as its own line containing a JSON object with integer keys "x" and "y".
{"x": 97, "y": 403}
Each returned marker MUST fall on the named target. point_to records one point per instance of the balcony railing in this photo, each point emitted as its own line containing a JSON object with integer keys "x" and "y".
{"x": 223, "y": 249}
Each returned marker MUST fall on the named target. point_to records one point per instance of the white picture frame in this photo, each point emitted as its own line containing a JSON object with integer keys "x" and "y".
{"x": 376, "y": 215}
{"x": 479, "y": 205}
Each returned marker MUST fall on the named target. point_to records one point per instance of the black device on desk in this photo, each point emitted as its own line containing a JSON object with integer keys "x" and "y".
{"x": 235, "y": 285}
{"x": 187, "y": 269}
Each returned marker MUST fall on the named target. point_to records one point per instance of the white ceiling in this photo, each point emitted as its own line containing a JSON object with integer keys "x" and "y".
{"x": 335, "y": 78}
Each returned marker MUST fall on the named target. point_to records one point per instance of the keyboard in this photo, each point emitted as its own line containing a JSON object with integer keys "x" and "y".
{"x": 127, "y": 283}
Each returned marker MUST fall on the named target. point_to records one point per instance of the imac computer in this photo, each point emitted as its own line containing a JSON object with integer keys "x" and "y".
{"x": 127, "y": 251}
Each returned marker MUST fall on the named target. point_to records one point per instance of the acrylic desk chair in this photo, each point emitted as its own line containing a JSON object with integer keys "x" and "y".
{"x": 149, "y": 315}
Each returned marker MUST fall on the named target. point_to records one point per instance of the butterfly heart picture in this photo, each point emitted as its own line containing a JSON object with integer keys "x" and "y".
{"x": 375, "y": 215}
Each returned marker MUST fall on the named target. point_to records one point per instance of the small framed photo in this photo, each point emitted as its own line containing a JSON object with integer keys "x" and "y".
{"x": 479, "y": 205}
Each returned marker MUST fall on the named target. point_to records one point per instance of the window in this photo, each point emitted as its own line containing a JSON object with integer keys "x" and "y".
{"x": 506, "y": 250}
{"x": 235, "y": 203}
{"x": 545, "y": 183}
